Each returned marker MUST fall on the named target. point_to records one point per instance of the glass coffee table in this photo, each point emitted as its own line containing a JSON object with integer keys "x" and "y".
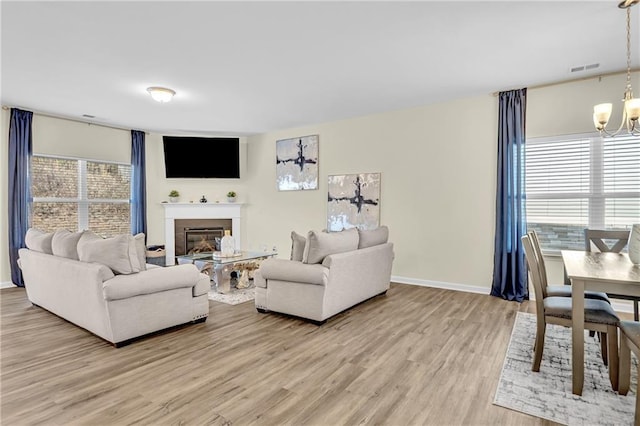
{"x": 220, "y": 268}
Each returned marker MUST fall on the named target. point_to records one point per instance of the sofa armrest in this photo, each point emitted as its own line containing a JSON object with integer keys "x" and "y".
{"x": 151, "y": 281}
{"x": 293, "y": 271}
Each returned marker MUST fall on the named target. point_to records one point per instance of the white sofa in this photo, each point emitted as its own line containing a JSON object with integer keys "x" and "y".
{"x": 332, "y": 276}
{"x": 116, "y": 307}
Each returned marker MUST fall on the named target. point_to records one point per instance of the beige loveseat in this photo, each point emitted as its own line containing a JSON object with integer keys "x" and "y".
{"x": 118, "y": 299}
{"x": 327, "y": 274}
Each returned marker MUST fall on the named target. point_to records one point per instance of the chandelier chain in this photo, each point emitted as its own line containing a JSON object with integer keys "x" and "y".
{"x": 628, "y": 48}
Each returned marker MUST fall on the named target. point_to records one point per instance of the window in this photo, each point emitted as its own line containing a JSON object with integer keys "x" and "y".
{"x": 576, "y": 182}
{"x": 80, "y": 194}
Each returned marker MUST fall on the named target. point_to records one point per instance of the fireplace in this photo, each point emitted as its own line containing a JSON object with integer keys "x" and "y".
{"x": 178, "y": 216}
{"x": 198, "y": 235}
{"x": 199, "y": 240}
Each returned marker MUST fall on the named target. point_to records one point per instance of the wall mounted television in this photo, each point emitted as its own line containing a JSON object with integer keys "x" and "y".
{"x": 196, "y": 157}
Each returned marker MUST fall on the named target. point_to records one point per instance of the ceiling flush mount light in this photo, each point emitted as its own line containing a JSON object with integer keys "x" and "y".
{"x": 161, "y": 94}
{"x": 631, "y": 111}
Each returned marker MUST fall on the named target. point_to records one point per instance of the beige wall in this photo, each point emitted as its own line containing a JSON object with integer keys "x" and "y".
{"x": 438, "y": 186}
{"x": 437, "y": 164}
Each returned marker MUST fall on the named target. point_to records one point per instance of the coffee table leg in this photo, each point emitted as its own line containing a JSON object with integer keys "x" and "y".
{"x": 223, "y": 278}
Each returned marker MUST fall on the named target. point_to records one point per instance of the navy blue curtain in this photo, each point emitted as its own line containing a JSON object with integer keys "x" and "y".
{"x": 509, "y": 266}
{"x": 20, "y": 150}
{"x": 138, "y": 184}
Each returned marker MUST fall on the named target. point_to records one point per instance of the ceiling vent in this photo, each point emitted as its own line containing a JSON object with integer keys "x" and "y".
{"x": 88, "y": 116}
{"x": 584, "y": 67}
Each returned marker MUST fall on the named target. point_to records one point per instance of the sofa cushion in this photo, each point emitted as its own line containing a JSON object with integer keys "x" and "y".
{"x": 373, "y": 237}
{"x": 65, "y": 243}
{"x": 287, "y": 270}
{"x": 39, "y": 241}
{"x": 297, "y": 246}
{"x": 153, "y": 280}
{"x": 320, "y": 245}
{"x": 117, "y": 252}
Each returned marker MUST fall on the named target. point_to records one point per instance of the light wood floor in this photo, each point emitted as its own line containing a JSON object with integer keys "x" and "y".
{"x": 416, "y": 356}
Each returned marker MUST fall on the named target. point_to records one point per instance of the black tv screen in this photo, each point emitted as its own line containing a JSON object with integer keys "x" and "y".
{"x": 193, "y": 157}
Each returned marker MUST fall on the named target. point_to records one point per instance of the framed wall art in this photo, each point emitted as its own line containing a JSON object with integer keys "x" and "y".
{"x": 353, "y": 201}
{"x": 297, "y": 163}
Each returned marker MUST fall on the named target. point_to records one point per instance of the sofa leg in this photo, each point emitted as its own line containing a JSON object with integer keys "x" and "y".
{"x": 199, "y": 320}
{"x": 262, "y": 311}
{"x": 318, "y": 323}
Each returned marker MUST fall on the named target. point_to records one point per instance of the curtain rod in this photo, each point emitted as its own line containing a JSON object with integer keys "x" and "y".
{"x": 599, "y": 76}
{"x": 75, "y": 120}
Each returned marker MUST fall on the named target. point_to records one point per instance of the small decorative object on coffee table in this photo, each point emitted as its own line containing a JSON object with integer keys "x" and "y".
{"x": 231, "y": 196}
{"x": 227, "y": 244}
{"x": 174, "y": 196}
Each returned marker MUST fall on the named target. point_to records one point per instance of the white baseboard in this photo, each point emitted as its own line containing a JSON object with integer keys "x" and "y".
{"x": 440, "y": 284}
{"x": 617, "y": 305}
{"x": 7, "y": 284}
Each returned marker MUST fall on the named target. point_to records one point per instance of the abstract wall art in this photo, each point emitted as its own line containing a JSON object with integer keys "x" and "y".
{"x": 297, "y": 163}
{"x": 353, "y": 202}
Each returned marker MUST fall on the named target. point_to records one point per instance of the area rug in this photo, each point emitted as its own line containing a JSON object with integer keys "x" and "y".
{"x": 547, "y": 394}
{"x": 235, "y": 298}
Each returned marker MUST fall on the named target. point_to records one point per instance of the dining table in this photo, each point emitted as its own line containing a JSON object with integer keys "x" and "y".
{"x": 599, "y": 271}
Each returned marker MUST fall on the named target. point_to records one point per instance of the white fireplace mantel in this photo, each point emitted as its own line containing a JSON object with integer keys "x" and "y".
{"x": 173, "y": 211}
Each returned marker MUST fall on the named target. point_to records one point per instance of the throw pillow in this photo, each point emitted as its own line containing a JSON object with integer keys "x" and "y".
{"x": 38, "y": 240}
{"x": 141, "y": 251}
{"x": 373, "y": 237}
{"x": 112, "y": 252}
{"x": 297, "y": 246}
{"x": 320, "y": 245}
{"x": 65, "y": 243}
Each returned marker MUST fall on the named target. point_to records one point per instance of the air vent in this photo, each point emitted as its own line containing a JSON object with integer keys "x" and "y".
{"x": 88, "y": 116}
{"x": 584, "y": 67}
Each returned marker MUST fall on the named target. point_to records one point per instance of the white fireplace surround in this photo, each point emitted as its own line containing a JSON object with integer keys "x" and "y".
{"x": 173, "y": 211}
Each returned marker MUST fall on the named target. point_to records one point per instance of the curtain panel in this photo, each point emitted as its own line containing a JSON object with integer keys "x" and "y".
{"x": 509, "y": 265}
{"x": 138, "y": 184}
{"x": 20, "y": 151}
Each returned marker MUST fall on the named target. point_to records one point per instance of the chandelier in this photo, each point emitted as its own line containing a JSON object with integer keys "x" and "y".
{"x": 631, "y": 110}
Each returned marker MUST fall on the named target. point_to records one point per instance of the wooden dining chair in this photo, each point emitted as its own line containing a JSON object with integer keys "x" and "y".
{"x": 629, "y": 341}
{"x": 598, "y": 316}
{"x": 557, "y": 290}
{"x": 611, "y": 241}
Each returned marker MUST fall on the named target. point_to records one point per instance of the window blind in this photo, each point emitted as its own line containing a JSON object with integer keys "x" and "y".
{"x": 574, "y": 182}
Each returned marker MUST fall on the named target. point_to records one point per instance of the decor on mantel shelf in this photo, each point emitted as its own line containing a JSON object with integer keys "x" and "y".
{"x": 231, "y": 196}
{"x": 174, "y": 196}
{"x": 203, "y": 199}
{"x": 631, "y": 110}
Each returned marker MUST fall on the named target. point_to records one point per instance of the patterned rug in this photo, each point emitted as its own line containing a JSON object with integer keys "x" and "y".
{"x": 547, "y": 394}
{"x": 234, "y": 298}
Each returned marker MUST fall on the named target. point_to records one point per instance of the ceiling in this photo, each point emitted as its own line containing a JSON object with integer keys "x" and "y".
{"x": 242, "y": 68}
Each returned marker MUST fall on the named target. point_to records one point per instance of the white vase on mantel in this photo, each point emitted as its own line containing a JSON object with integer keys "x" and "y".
{"x": 634, "y": 244}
